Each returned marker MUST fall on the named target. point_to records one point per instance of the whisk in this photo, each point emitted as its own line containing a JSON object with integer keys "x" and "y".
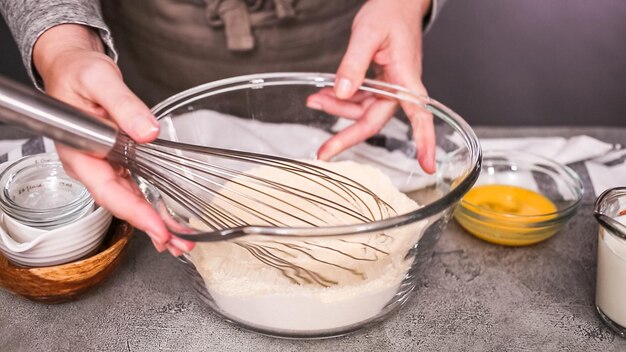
{"x": 204, "y": 193}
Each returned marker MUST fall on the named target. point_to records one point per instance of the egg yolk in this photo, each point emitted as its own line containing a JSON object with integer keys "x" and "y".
{"x": 506, "y": 210}
{"x": 512, "y": 200}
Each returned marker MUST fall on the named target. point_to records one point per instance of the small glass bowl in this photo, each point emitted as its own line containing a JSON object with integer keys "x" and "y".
{"x": 558, "y": 183}
{"x": 37, "y": 192}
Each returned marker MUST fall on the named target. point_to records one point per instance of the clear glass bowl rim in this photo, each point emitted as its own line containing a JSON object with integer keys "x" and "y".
{"x": 482, "y": 214}
{"x": 328, "y": 80}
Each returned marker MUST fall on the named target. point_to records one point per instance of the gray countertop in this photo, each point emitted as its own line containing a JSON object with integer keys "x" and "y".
{"x": 475, "y": 296}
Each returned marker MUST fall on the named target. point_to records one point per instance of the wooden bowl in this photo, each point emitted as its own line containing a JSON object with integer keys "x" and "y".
{"x": 67, "y": 282}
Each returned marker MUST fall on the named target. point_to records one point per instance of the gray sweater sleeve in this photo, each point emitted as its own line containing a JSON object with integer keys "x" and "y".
{"x": 28, "y": 19}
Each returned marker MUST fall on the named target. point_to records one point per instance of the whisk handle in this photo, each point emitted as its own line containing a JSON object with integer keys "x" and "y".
{"x": 41, "y": 114}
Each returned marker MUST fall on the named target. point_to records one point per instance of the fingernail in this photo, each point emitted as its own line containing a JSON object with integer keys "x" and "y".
{"x": 159, "y": 247}
{"x": 173, "y": 251}
{"x": 343, "y": 88}
{"x": 181, "y": 244}
{"x": 314, "y": 105}
{"x": 433, "y": 162}
{"x": 427, "y": 159}
{"x": 154, "y": 237}
{"x": 145, "y": 127}
{"x": 327, "y": 151}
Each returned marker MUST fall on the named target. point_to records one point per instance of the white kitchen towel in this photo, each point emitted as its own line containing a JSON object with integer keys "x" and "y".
{"x": 559, "y": 149}
{"x": 396, "y": 160}
{"x": 11, "y": 144}
{"x": 608, "y": 171}
{"x": 605, "y": 162}
{"x": 15, "y": 149}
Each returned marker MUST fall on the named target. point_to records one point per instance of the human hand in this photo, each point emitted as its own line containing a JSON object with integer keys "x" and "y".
{"x": 71, "y": 62}
{"x": 388, "y": 34}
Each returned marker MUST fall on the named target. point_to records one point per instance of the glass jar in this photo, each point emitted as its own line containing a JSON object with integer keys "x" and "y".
{"x": 611, "y": 280}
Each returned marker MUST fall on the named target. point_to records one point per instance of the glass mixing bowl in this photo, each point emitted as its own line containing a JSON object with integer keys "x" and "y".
{"x": 309, "y": 283}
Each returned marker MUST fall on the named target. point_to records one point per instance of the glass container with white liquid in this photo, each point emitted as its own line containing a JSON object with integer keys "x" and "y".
{"x": 610, "y": 210}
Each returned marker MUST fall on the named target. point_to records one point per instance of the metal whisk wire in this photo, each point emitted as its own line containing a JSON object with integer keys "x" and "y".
{"x": 217, "y": 195}
{"x": 208, "y": 189}
{"x": 224, "y": 199}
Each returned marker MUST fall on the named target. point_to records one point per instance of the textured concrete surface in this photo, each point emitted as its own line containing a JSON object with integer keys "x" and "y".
{"x": 475, "y": 297}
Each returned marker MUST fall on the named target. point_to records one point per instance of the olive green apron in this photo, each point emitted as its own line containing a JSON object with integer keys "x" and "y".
{"x": 166, "y": 46}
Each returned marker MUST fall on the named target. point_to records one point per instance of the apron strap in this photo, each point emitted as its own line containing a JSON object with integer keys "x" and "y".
{"x": 284, "y": 9}
{"x": 235, "y": 17}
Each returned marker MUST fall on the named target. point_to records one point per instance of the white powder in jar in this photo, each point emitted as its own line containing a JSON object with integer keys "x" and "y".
{"x": 611, "y": 276}
{"x": 309, "y": 284}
